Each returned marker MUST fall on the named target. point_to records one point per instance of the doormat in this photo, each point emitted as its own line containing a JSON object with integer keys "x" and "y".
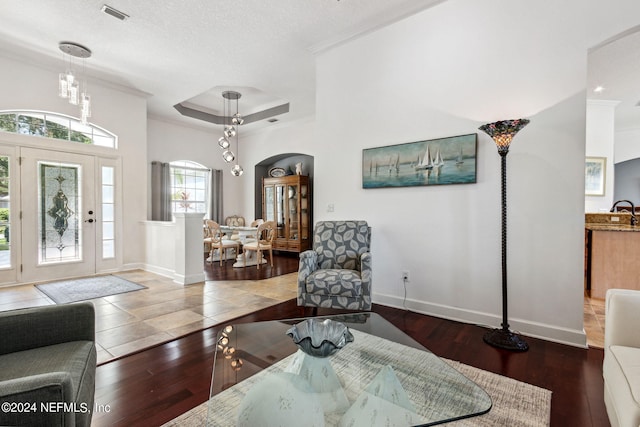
{"x": 87, "y": 288}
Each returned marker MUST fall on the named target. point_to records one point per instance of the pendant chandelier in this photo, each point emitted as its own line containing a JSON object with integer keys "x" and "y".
{"x": 70, "y": 86}
{"x": 231, "y": 130}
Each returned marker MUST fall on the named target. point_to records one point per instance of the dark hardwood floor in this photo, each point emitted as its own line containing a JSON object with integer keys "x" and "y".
{"x": 152, "y": 387}
{"x": 283, "y": 263}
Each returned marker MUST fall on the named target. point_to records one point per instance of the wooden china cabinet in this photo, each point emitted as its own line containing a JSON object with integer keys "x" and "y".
{"x": 286, "y": 200}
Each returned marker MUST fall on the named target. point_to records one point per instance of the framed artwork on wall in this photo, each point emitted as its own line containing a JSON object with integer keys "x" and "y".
{"x": 450, "y": 160}
{"x": 594, "y": 176}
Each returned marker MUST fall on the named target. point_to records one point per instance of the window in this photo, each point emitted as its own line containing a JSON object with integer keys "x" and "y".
{"x": 58, "y": 126}
{"x": 5, "y": 245}
{"x": 189, "y": 187}
{"x": 108, "y": 212}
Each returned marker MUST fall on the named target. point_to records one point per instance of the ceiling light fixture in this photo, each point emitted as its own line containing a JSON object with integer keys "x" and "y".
{"x": 114, "y": 12}
{"x": 598, "y": 89}
{"x": 231, "y": 130}
{"x": 69, "y": 86}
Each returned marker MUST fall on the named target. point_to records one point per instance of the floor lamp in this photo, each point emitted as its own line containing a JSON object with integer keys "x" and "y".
{"x": 502, "y": 133}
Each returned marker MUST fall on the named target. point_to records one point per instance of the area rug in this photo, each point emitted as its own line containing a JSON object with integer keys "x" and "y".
{"x": 67, "y": 291}
{"x": 515, "y": 404}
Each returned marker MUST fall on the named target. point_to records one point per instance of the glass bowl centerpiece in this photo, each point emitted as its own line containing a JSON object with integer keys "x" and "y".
{"x": 320, "y": 338}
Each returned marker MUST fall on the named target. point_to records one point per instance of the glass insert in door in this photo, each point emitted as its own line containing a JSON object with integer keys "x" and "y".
{"x": 269, "y": 204}
{"x": 304, "y": 209}
{"x": 108, "y": 212}
{"x": 5, "y": 209}
{"x": 280, "y": 211}
{"x": 293, "y": 211}
{"x": 59, "y": 213}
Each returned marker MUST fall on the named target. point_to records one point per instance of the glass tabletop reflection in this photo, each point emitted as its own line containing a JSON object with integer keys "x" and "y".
{"x": 382, "y": 377}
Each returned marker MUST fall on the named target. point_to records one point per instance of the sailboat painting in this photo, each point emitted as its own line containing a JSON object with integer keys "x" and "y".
{"x": 450, "y": 160}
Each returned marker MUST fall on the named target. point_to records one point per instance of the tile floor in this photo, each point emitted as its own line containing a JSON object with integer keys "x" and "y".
{"x": 594, "y": 321}
{"x": 129, "y": 322}
{"x": 165, "y": 310}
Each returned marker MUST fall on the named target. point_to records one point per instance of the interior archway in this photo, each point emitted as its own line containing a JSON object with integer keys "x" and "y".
{"x": 286, "y": 161}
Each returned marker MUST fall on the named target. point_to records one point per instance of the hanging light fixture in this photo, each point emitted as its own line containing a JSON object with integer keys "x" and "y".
{"x": 224, "y": 143}
{"x": 69, "y": 86}
{"x": 231, "y": 131}
{"x": 237, "y": 170}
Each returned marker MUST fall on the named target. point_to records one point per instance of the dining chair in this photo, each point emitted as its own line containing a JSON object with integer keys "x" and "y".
{"x": 216, "y": 239}
{"x": 234, "y": 221}
{"x": 264, "y": 241}
{"x": 257, "y": 222}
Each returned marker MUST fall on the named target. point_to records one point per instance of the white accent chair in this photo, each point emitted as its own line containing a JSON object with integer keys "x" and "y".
{"x": 621, "y": 367}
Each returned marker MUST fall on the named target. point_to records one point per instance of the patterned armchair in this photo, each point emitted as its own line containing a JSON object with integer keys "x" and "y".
{"x": 336, "y": 272}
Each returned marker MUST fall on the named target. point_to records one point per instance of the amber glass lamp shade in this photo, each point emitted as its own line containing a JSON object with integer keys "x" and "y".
{"x": 503, "y": 132}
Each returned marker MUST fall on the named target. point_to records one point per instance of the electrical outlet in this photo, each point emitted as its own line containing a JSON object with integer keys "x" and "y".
{"x": 405, "y": 276}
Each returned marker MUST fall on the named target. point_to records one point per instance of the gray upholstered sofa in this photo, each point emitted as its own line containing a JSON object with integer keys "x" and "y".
{"x": 336, "y": 272}
{"x": 47, "y": 365}
{"x": 621, "y": 368}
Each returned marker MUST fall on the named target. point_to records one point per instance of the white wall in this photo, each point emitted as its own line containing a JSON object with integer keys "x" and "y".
{"x": 600, "y": 143}
{"x": 160, "y": 256}
{"x": 444, "y": 72}
{"x": 168, "y": 142}
{"x": 449, "y": 237}
{"x": 28, "y": 86}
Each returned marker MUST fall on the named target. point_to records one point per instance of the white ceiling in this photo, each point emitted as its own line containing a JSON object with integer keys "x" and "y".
{"x": 615, "y": 66}
{"x": 177, "y": 51}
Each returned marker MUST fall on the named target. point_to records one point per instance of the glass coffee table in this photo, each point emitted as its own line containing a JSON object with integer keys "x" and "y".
{"x": 383, "y": 377}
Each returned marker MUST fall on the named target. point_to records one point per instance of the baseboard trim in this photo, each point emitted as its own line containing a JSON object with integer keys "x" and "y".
{"x": 572, "y": 337}
{"x": 181, "y": 279}
{"x": 158, "y": 270}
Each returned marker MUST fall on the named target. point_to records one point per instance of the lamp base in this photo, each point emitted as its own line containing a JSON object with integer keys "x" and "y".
{"x": 505, "y": 339}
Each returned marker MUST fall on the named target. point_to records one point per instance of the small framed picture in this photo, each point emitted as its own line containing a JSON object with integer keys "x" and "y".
{"x": 594, "y": 176}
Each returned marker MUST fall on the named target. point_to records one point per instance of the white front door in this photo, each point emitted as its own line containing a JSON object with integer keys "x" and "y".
{"x": 8, "y": 215}
{"x": 58, "y": 206}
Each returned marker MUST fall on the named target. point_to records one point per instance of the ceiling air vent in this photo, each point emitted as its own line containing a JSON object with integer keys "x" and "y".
{"x": 272, "y": 120}
{"x": 114, "y": 12}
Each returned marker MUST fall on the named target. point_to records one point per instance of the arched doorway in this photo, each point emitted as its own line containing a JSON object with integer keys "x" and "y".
{"x": 286, "y": 161}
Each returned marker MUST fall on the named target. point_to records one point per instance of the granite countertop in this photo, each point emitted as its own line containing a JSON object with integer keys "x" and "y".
{"x": 618, "y": 221}
{"x": 611, "y": 227}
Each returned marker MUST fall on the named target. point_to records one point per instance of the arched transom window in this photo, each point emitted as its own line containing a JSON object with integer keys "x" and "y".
{"x": 58, "y": 126}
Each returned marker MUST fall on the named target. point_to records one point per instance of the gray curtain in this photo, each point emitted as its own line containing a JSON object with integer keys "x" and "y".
{"x": 215, "y": 196}
{"x": 160, "y": 192}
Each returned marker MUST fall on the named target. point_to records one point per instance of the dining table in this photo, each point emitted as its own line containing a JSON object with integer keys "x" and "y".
{"x": 245, "y": 234}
